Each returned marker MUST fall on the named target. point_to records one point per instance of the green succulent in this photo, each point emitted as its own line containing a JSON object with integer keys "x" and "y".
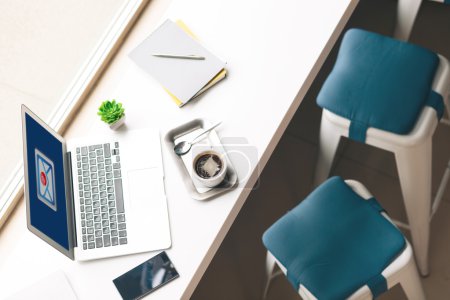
{"x": 111, "y": 111}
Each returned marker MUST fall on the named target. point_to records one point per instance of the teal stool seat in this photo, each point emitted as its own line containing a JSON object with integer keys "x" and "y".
{"x": 380, "y": 82}
{"x": 334, "y": 242}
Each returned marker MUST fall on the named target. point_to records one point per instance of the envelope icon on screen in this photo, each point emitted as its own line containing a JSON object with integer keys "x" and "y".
{"x": 45, "y": 175}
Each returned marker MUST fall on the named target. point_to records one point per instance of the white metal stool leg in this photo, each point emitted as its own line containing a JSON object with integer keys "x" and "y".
{"x": 270, "y": 264}
{"x": 329, "y": 138}
{"x": 447, "y": 104}
{"x": 406, "y": 14}
{"x": 414, "y": 168}
{"x": 410, "y": 282}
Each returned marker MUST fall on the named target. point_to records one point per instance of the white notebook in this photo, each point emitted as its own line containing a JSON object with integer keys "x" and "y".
{"x": 184, "y": 78}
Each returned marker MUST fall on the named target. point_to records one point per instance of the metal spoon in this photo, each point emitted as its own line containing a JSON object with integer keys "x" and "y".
{"x": 184, "y": 147}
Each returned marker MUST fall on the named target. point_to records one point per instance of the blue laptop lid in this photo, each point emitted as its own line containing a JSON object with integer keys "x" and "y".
{"x": 47, "y": 192}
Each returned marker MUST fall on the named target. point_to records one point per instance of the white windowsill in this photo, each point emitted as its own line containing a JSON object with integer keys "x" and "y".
{"x": 77, "y": 92}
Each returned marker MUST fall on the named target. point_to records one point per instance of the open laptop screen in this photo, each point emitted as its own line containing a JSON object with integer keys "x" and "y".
{"x": 45, "y": 184}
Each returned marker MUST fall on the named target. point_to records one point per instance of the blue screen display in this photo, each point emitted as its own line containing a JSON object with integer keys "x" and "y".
{"x": 46, "y": 193}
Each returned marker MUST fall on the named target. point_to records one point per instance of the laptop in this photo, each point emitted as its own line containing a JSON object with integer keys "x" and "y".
{"x": 95, "y": 197}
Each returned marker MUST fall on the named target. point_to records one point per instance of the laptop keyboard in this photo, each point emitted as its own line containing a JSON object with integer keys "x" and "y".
{"x": 101, "y": 196}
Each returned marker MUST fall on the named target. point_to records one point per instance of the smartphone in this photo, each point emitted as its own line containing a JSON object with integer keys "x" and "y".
{"x": 147, "y": 277}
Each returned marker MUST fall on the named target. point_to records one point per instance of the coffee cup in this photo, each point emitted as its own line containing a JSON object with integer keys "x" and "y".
{"x": 209, "y": 168}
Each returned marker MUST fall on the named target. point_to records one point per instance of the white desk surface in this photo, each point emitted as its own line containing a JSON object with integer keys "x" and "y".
{"x": 274, "y": 50}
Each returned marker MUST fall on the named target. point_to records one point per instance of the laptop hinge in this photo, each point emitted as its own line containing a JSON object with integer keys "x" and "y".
{"x": 71, "y": 195}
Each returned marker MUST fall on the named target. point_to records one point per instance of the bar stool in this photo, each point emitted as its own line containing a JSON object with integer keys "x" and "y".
{"x": 339, "y": 243}
{"x": 388, "y": 94}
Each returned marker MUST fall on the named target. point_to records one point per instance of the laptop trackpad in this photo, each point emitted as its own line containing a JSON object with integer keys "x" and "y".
{"x": 146, "y": 185}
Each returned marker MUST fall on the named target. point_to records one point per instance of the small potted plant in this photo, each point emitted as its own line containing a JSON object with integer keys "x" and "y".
{"x": 112, "y": 113}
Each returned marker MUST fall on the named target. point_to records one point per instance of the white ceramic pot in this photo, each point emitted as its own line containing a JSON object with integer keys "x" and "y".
{"x": 117, "y": 124}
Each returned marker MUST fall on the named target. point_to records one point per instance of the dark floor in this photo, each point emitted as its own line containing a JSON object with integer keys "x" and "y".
{"x": 237, "y": 271}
